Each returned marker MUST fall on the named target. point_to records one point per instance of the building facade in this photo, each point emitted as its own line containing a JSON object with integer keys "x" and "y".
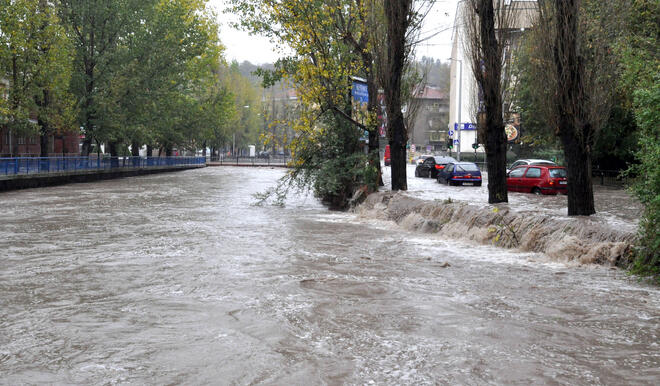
{"x": 431, "y": 115}
{"x": 13, "y": 144}
{"x": 464, "y": 100}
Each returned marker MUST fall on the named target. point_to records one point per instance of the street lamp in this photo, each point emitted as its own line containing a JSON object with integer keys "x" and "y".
{"x": 460, "y": 86}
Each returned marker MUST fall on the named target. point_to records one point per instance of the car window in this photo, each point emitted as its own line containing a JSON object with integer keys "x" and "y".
{"x": 467, "y": 167}
{"x": 449, "y": 168}
{"x": 558, "y": 173}
{"x": 517, "y": 172}
{"x": 429, "y": 161}
{"x": 533, "y": 173}
{"x": 517, "y": 163}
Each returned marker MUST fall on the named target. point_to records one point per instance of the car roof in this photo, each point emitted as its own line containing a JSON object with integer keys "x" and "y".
{"x": 442, "y": 158}
{"x": 539, "y": 166}
{"x": 534, "y": 160}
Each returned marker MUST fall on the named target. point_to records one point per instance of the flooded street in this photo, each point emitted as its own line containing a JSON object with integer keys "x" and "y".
{"x": 178, "y": 278}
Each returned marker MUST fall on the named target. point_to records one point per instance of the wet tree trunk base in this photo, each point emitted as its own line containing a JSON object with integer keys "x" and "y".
{"x": 578, "y": 169}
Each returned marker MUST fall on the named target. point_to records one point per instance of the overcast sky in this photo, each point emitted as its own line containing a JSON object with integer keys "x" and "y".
{"x": 258, "y": 50}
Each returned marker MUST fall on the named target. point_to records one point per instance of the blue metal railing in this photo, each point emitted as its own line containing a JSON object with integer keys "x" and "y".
{"x": 40, "y": 165}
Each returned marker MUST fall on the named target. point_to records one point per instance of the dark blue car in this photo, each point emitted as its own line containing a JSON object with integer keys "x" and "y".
{"x": 460, "y": 173}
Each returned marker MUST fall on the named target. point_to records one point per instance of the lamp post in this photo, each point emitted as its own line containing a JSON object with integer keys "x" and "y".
{"x": 460, "y": 86}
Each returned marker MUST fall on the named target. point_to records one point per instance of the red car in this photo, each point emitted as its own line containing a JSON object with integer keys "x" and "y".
{"x": 537, "y": 179}
{"x": 386, "y": 157}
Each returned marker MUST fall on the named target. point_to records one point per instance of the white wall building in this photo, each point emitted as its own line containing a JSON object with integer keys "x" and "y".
{"x": 463, "y": 94}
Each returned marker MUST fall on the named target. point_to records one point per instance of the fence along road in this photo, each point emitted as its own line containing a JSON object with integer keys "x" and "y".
{"x": 249, "y": 161}
{"x": 32, "y": 172}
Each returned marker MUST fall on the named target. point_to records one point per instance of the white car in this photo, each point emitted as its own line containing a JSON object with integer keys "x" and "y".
{"x": 530, "y": 161}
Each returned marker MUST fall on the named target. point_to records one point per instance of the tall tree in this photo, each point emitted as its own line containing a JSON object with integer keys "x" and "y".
{"x": 575, "y": 57}
{"x": 97, "y": 27}
{"x": 326, "y": 148}
{"x": 487, "y": 22}
{"x": 34, "y": 57}
{"x": 399, "y": 15}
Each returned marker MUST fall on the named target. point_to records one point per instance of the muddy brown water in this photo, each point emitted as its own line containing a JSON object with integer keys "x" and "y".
{"x": 178, "y": 279}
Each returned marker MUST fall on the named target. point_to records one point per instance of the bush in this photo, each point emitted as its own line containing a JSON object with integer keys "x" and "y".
{"x": 647, "y": 185}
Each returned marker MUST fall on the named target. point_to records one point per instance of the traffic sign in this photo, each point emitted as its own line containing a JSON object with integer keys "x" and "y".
{"x": 456, "y": 142}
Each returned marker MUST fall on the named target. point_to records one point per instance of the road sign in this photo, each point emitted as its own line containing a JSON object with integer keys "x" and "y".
{"x": 456, "y": 142}
{"x": 451, "y": 133}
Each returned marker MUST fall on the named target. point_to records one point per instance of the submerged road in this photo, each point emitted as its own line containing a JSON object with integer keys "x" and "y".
{"x": 179, "y": 279}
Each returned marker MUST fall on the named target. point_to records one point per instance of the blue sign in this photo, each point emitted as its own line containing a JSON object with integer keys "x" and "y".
{"x": 360, "y": 92}
{"x": 456, "y": 142}
{"x": 466, "y": 126}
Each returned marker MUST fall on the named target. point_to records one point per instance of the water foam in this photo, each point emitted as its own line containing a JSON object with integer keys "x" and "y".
{"x": 569, "y": 240}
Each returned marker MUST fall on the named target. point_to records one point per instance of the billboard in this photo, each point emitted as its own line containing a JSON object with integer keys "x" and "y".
{"x": 359, "y": 102}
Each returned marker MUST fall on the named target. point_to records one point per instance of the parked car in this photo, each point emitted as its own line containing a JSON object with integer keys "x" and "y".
{"x": 387, "y": 160}
{"x": 460, "y": 173}
{"x": 430, "y": 166}
{"x": 420, "y": 159}
{"x": 530, "y": 161}
{"x": 537, "y": 179}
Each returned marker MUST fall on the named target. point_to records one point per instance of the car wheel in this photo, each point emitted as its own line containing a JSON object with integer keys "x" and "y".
{"x": 416, "y": 173}
{"x": 430, "y": 174}
{"x": 448, "y": 181}
{"x": 536, "y": 191}
{"x": 477, "y": 184}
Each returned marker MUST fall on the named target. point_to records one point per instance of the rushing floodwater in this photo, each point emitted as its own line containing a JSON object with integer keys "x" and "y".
{"x": 178, "y": 279}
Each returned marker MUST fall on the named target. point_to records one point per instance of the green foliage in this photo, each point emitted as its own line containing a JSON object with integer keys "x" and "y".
{"x": 34, "y": 61}
{"x": 647, "y": 187}
{"x": 639, "y": 84}
{"x": 323, "y": 36}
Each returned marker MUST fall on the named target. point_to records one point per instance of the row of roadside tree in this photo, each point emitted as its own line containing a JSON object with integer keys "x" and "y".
{"x": 127, "y": 74}
{"x": 581, "y": 53}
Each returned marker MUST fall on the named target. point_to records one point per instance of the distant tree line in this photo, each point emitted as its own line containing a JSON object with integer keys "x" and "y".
{"x": 123, "y": 73}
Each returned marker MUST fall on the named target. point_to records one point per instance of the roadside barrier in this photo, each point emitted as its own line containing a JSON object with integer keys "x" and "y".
{"x": 250, "y": 161}
{"x": 44, "y": 165}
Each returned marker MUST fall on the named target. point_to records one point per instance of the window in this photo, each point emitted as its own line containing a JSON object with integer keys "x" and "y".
{"x": 558, "y": 173}
{"x": 21, "y": 140}
{"x": 429, "y": 161}
{"x": 468, "y": 167}
{"x": 437, "y": 136}
{"x": 533, "y": 173}
{"x": 517, "y": 172}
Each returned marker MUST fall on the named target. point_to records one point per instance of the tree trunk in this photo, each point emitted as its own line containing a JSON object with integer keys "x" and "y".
{"x": 150, "y": 151}
{"x": 86, "y": 147}
{"x": 575, "y": 131}
{"x": 43, "y": 142}
{"x": 397, "y": 12}
{"x": 135, "y": 149}
{"x": 490, "y": 81}
{"x": 578, "y": 169}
